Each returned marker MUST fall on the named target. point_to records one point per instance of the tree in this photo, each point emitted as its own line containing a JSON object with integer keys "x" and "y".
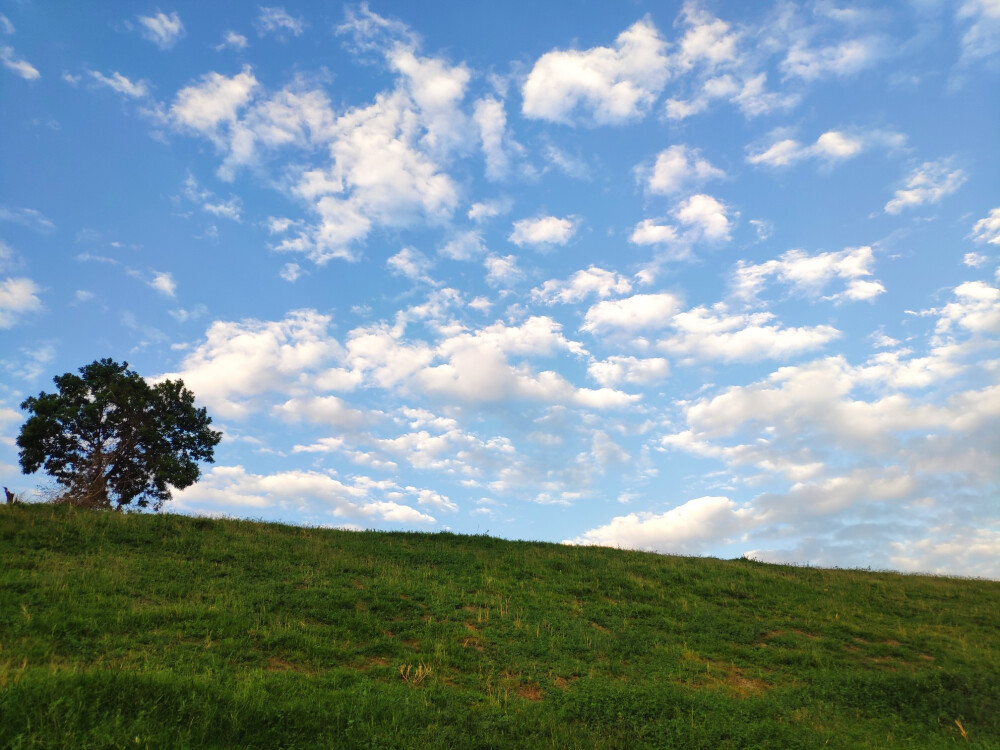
{"x": 112, "y": 439}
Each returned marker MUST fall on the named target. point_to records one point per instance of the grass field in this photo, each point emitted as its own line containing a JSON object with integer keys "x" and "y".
{"x": 121, "y": 630}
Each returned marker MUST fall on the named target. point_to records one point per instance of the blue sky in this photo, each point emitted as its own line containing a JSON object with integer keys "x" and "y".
{"x": 704, "y": 278}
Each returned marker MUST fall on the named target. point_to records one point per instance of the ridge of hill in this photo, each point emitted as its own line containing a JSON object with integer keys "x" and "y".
{"x": 159, "y": 630}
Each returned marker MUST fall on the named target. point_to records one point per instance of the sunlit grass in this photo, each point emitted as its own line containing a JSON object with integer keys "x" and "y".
{"x": 168, "y": 631}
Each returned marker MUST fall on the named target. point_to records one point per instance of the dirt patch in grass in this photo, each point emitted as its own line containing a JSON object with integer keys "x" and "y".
{"x": 529, "y": 692}
{"x": 277, "y": 664}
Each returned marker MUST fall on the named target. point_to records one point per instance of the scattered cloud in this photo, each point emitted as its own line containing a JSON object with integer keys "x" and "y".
{"x": 631, "y": 314}
{"x": 162, "y": 30}
{"x": 17, "y": 65}
{"x": 677, "y": 168}
{"x": 122, "y": 85}
{"x": 706, "y": 216}
{"x": 928, "y": 183}
{"x": 689, "y": 529}
{"x": 27, "y": 217}
{"x": 810, "y": 274}
{"x": 601, "y": 85}
{"x": 582, "y": 284}
{"x": 987, "y": 229}
{"x": 546, "y": 231}
{"x": 278, "y": 21}
{"x": 831, "y": 147}
{"x": 628, "y": 370}
{"x": 232, "y": 40}
{"x": 18, "y": 296}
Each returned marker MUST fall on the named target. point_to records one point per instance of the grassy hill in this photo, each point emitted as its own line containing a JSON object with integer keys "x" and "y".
{"x": 168, "y": 631}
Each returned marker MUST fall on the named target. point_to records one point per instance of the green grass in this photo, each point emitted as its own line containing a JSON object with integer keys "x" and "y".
{"x": 121, "y": 630}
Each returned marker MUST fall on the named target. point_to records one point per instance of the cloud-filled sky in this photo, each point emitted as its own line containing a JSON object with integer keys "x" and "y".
{"x": 707, "y": 278}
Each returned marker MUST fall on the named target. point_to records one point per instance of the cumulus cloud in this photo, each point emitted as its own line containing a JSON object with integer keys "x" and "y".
{"x": 631, "y": 314}
{"x": 706, "y": 216}
{"x": 233, "y": 40}
{"x": 715, "y": 334}
{"x": 18, "y": 296}
{"x": 676, "y": 168}
{"x": 410, "y": 263}
{"x": 491, "y": 119}
{"x": 687, "y": 529}
{"x": 213, "y": 102}
{"x": 546, "y": 231}
{"x": 164, "y": 283}
{"x": 810, "y": 274}
{"x": 618, "y": 370}
{"x": 590, "y": 281}
{"x": 831, "y": 147}
{"x": 502, "y": 270}
{"x": 928, "y": 183}
{"x": 601, "y": 85}
{"x": 649, "y": 232}
{"x": 987, "y": 229}
{"x": 238, "y": 361}
{"x": 234, "y": 489}
{"x": 162, "y": 30}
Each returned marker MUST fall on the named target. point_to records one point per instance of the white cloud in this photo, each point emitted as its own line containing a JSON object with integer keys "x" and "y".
{"x": 16, "y": 65}
{"x": 27, "y": 217}
{"x": 678, "y": 167}
{"x": 410, "y": 263}
{"x": 843, "y": 59}
{"x": 233, "y": 40}
{"x": 326, "y": 410}
{"x": 748, "y": 93}
{"x": 17, "y": 297}
{"x": 976, "y": 308}
{"x": 648, "y": 232}
{"x": 490, "y": 117}
{"x": 502, "y": 270}
{"x": 544, "y": 231}
{"x": 5, "y": 25}
{"x": 988, "y": 229}
{"x": 582, "y": 284}
{"x": 831, "y": 147}
{"x": 215, "y": 100}
{"x": 164, "y": 283}
{"x": 276, "y": 20}
{"x": 631, "y": 370}
{"x": 708, "y": 42}
{"x": 229, "y": 209}
{"x": 122, "y": 85}
{"x": 704, "y": 334}
{"x": 687, "y": 529}
{"x": 223, "y": 488}
{"x": 602, "y": 85}
{"x": 631, "y": 314}
{"x": 163, "y": 30}
{"x": 981, "y": 40}
{"x": 810, "y": 274}
{"x": 488, "y": 210}
{"x": 239, "y": 361}
{"x": 290, "y": 272}
{"x": 464, "y": 246}
{"x": 706, "y": 216}
{"x": 928, "y": 183}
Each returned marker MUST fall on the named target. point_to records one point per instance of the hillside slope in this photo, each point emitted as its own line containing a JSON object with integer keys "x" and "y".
{"x": 169, "y": 631}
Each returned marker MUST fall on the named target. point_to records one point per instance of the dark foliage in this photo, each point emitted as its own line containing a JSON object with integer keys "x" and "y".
{"x": 112, "y": 439}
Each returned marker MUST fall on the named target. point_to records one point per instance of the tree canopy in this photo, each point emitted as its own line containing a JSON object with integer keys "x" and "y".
{"x": 113, "y": 440}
